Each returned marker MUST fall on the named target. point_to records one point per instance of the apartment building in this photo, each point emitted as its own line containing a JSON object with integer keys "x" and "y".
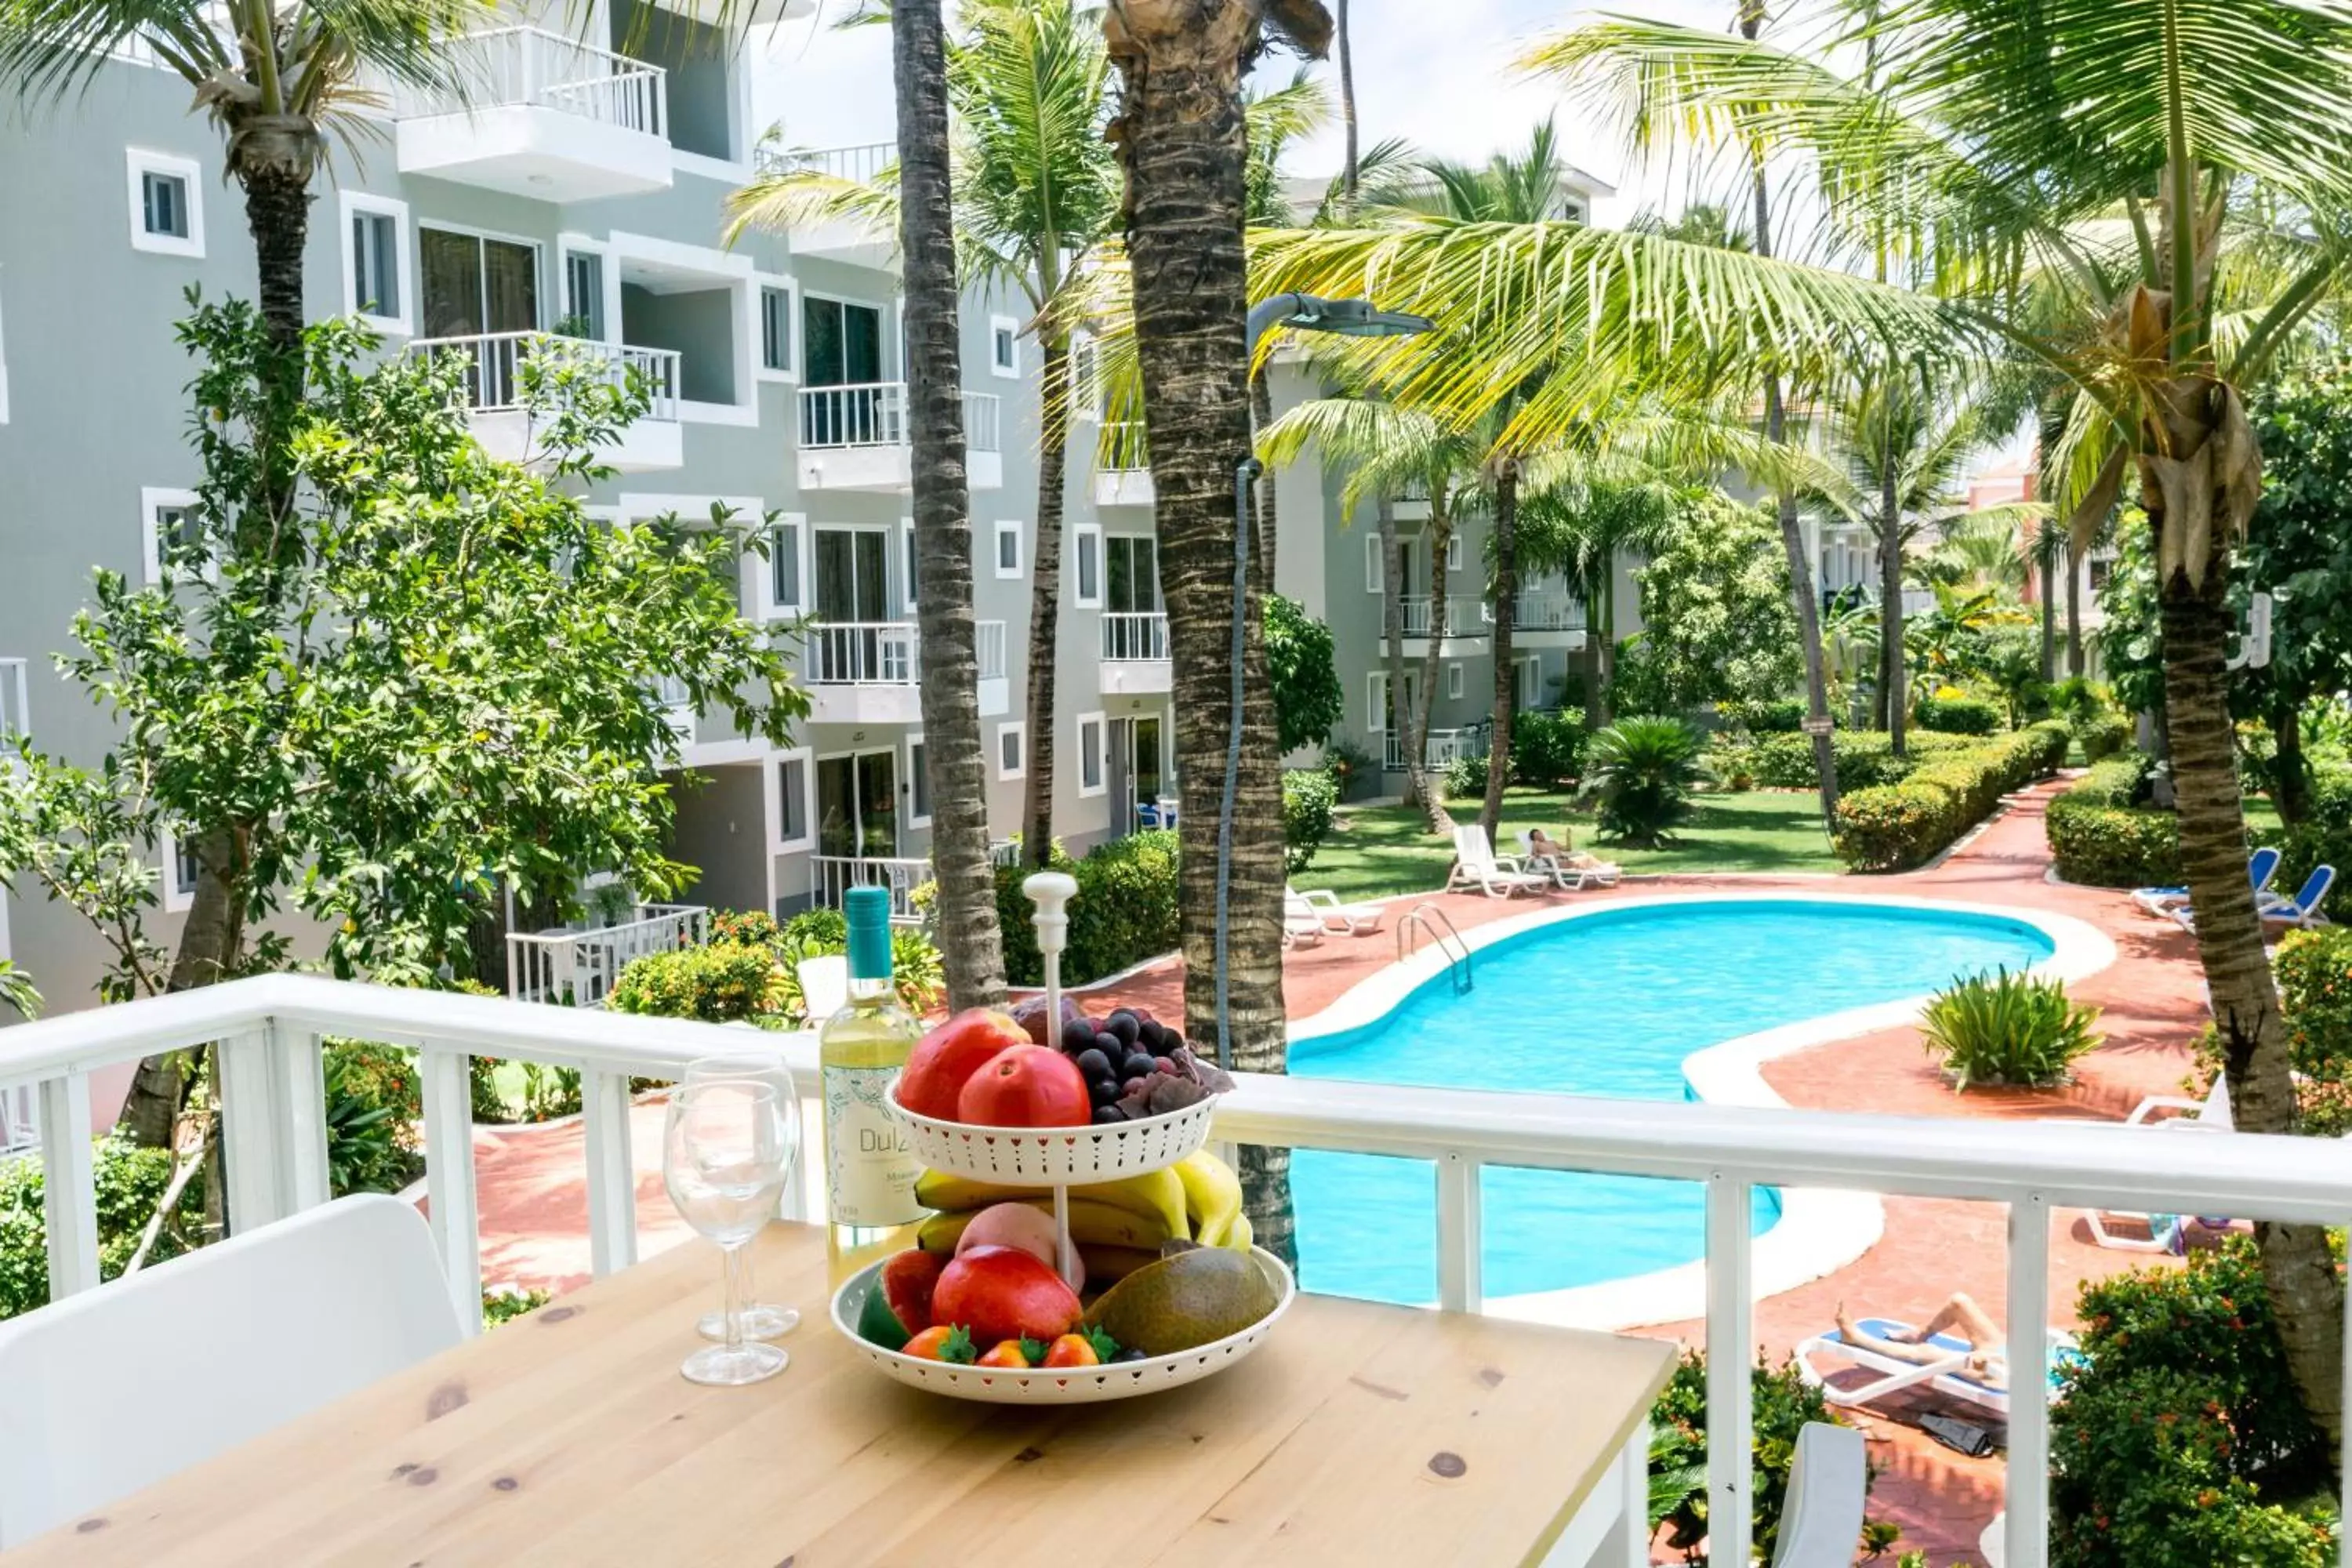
{"x": 578, "y": 191}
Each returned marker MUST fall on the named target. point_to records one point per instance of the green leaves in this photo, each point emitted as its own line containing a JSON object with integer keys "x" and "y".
{"x": 2007, "y": 1028}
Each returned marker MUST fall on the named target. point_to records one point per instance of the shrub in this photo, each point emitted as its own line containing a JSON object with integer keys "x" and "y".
{"x": 1784, "y": 1402}
{"x": 2102, "y": 735}
{"x": 1894, "y": 827}
{"x": 2315, "y": 980}
{"x": 717, "y": 984}
{"x": 374, "y": 1102}
{"x": 505, "y": 1303}
{"x": 916, "y": 973}
{"x": 750, "y": 927}
{"x": 1780, "y": 716}
{"x": 2100, "y": 835}
{"x": 1865, "y": 758}
{"x": 129, "y": 1182}
{"x": 1465, "y": 777}
{"x": 1958, "y": 715}
{"x": 1546, "y": 749}
{"x": 2005, "y": 1028}
{"x": 1310, "y": 796}
{"x": 1015, "y": 919}
{"x": 1125, "y": 910}
{"x": 1645, "y": 770}
{"x": 829, "y": 928}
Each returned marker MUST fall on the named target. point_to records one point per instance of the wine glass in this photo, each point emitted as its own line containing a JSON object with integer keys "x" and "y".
{"x": 758, "y": 1320}
{"x": 725, "y": 1156}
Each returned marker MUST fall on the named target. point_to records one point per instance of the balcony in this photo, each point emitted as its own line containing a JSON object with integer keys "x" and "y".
{"x": 573, "y": 966}
{"x": 1123, "y": 466}
{"x": 275, "y": 1146}
{"x": 1135, "y": 660}
{"x": 496, "y": 390}
{"x": 846, "y": 239}
{"x": 871, "y": 673}
{"x": 1440, "y": 749}
{"x": 857, "y": 438}
{"x": 832, "y": 876}
{"x": 1543, "y": 618}
{"x": 538, "y": 115}
{"x": 1466, "y": 621}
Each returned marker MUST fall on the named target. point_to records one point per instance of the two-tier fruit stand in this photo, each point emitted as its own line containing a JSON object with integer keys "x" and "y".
{"x": 1061, "y": 1158}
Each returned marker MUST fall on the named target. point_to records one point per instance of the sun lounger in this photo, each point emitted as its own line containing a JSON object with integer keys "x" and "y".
{"x": 1575, "y": 870}
{"x": 2303, "y": 910}
{"x": 1475, "y": 865}
{"x": 1323, "y": 906}
{"x": 2170, "y": 1111}
{"x": 2261, "y": 865}
{"x": 1947, "y": 1375}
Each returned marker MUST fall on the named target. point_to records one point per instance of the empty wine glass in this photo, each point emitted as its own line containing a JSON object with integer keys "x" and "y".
{"x": 756, "y": 1319}
{"x": 724, "y": 1157}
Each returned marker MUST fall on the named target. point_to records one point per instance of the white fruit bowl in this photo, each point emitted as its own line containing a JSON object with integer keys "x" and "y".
{"x": 1062, "y": 1386}
{"x": 1056, "y": 1156}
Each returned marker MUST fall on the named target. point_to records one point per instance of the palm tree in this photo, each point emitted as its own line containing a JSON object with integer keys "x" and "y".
{"x": 1183, "y": 144}
{"x": 1347, "y": 102}
{"x": 1581, "y": 529}
{"x": 2138, "y": 154}
{"x": 972, "y": 948}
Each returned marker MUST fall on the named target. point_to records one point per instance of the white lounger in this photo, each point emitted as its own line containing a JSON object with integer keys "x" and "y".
{"x": 1322, "y": 906}
{"x": 1475, "y": 865}
{"x": 1575, "y": 870}
{"x": 1947, "y": 1374}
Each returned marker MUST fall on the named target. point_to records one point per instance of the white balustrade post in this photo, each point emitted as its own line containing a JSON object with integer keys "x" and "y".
{"x": 447, "y": 1078}
{"x": 1460, "y": 1234}
{"x": 1730, "y": 1351}
{"x": 612, "y": 1173}
{"x": 68, "y": 1184}
{"x": 256, "y": 1133}
{"x": 2026, "y": 1542}
{"x": 298, "y": 1071}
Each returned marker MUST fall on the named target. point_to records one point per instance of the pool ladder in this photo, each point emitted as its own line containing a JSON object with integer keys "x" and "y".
{"x": 1428, "y": 918}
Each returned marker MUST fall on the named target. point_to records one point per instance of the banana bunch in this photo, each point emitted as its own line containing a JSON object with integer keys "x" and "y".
{"x": 1198, "y": 1199}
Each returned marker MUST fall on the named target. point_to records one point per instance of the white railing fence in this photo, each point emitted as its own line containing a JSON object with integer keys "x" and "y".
{"x": 861, "y": 653}
{"x": 862, "y": 164}
{"x": 16, "y": 715}
{"x": 275, "y": 1144}
{"x": 510, "y": 65}
{"x": 494, "y": 361}
{"x": 1122, "y": 448}
{"x": 20, "y": 1120}
{"x": 1466, "y": 615}
{"x": 832, "y": 876}
{"x": 1441, "y": 748}
{"x": 875, "y": 415}
{"x": 576, "y": 968}
{"x": 1542, "y": 611}
{"x": 988, "y": 649}
{"x": 1131, "y": 636}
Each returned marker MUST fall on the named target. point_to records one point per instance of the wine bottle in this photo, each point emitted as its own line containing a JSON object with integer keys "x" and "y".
{"x": 869, "y": 1162}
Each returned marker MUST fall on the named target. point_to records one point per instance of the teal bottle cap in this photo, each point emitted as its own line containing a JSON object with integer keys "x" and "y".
{"x": 868, "y": 912}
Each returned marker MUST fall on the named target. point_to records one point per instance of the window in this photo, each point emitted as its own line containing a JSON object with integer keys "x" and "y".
{"x": 1453, "y": 680}
{"x": 1376, "y": 701}
{"x": 167, "y": 527}
{"x": 1012, "y": 751}
{"x": 1086, "y": 565}
{"x": 477, "y": 284}
{"x": 1530, "y": 695}
{"x": 584, "y": 295}
{"x": 1132, "y": 573}
{"x": 180, "y": 871}
{"x": 2101, "y": 568}
{"x": 1004, "y": 346}
{"x": 912, "y": 568}
{"x": 167, "y": 203}
{"x": 379, "y": 280}
{"x": 790, "y": 779}
{"x": 776, "y": 329}
{"x": 1090, "y": 754}
{"x": 1008, "y": 549}
{"x": 919, "y": 783}
{"x": 786, "y": 572}
{"x": 1453, "y": 552}
{"x": 841, "y": 344}
{"x": 1375, "y": 570}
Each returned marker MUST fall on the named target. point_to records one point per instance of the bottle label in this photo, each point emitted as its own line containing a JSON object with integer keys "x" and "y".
{"x": 870, "y": 1164}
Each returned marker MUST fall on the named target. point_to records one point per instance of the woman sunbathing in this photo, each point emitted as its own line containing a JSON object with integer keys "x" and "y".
{"x": 1914, "y": 1345}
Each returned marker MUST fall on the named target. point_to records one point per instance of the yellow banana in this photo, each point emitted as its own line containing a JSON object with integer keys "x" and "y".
{"x": 1238, "y": 1235}
{"x": 1091, "y": 1224}
{"x": 1212, "y": 1195}
{"x": 1155, "y": 1194}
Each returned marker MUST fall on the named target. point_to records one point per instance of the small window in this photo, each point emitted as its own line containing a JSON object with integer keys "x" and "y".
{"x": 1012, "y": 751}
{"x": 1453, "y": 680}
{"x": 1004, "y": 346}
{"x": 167, "y": 205}
{"x": 1090, "y": 754}
{"x": 1531, "y": 683}
{"x": 1008, "y": 550}
{"x": 584, "y": 295}
{"x": 1085, "y": 574}
{"x": 377, "y": 279}
{"x": 1453, "y": 552}
{"x": 784, "y": 596}
{"x": 1376, "y": 701}
{"x": 776, "y": 330}
{"x": 791, "y": 800}
{"x": 169, "y": 531}
{"x": 919, "y": 783}
{"x": 179, "y": 872}
{"x": 1375, "y": 568}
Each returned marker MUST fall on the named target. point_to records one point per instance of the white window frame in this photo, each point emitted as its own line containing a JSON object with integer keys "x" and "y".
{"x": 907, "y": 761}
{"x": 403, "y": 324}
{"x": 141, "y": 162}
{"x": 175, "y": 900}
{"x": 910, "y": 570}
{"x": 1529, "y": 674}
{"x": 775, "y": 788}
{"x": 1008, "y": 327}
{"x": 1453, "y": 552}
{"x": 1454, "y": 681}
{"x": 763, "y": 587}
{"x": 1376, "y": 701}
{"x": 152, "y": 500}
{"x": 1376, "y": 574}
{"x": 791, "y": 288}
{"x": 1087, "y": 536}
{"x": 1016, "y": 730}
{"x": 1013, "y": 528}
{"x": 1099, "y": 752}
{"x": 568, "y": 245}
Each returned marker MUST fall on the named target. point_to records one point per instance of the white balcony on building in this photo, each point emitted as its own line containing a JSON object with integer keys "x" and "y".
{"x": 1544, "y": 619}
{"x": 845, "y": 240}
{"x": 575, "y": 965}
{"x": 1123, "y": 466}
{"x": 1412, "y": 504}
{"x": 1440, "y": 748}
{"x": 538, "y": 115}
{"x": 871, "y": 673}
{"x": 1466, "y": 628}
{"x": 499, "y": 376}
{"x": 857, "y": 438}
{"x": 995, "y": 687}
{"x": 1135, "y": 661}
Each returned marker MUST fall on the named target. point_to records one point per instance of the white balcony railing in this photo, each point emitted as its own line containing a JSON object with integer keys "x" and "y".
{"x": 1440, "y": 749}
{"x": 988, "y": 645}
{"x": 1122, "y": 448}
{"x": 1465, "y": 616}
{"x": 862, "y": 653}
{"x": 1541, "y": 610}
{"x": 506, "y": 67}
{"x": 875, "y": 415}
{"x": 576, "y": 968}
{"x": 860, "y": 164}
{"x": 834, "y": 875}
{"x": 1128, "y": 637}
{"x": 494, "y": 378}
{"x": 16, "y": 718}
{"x": 274, "y": 1142}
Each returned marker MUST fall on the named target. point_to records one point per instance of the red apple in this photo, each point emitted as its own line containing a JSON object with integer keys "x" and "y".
{"x": 1027, "y": 1086}
{"x": 1004, "y": 1293}
{"x": 943, "y": 1060}
{"x": 909, "y": 1279}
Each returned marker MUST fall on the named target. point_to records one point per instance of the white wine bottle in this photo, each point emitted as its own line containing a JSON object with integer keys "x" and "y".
{"x": 870, "y": 1168}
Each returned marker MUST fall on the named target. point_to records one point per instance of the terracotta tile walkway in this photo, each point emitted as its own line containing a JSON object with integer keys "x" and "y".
{"x": 534, "y": 1209}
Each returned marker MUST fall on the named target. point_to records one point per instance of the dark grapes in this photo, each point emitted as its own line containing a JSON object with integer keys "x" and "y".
{"x": 1077, "y": 1035}
{"x": 1166, "y": 1065}
{"x": 1107, "y": 1115}
{"x": 1125, "y": 1025}
{"x": 1138, "y": 1064}
{"x": 1104, "y": 1091}
{"x": 1094, "y": 1064}
{"x": 1129, "y": 1354}
{"x": 1112, "y": 1047}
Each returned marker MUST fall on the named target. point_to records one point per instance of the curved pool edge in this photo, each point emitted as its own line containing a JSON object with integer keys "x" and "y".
{"x": 1820, "y": 1230}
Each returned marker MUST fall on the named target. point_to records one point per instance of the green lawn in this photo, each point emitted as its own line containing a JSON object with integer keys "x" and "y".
{"x": 1378, "y": 851}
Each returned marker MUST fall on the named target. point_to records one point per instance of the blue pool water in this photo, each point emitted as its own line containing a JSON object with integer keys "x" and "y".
{"x": 1606, "y": 1004}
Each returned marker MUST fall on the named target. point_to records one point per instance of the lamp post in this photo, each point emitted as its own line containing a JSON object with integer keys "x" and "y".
{"x": 1304, "y": 313}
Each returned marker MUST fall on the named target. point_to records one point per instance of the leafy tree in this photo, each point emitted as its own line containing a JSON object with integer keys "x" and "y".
{"x": 1299, "y": 660}
{"x": 1715, "y": 602}
{"x": 443, "y": 685}
{"x": 1580, "y": 530}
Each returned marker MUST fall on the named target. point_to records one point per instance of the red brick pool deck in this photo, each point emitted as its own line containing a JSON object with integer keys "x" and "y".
{"x": 534, "y": 1219}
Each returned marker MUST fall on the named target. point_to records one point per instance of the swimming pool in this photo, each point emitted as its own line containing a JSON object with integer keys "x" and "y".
{"x": 1610, "y": 1003}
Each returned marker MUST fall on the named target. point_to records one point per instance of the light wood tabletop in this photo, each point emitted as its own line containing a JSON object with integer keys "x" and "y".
{"x": 1358, "y": 1434}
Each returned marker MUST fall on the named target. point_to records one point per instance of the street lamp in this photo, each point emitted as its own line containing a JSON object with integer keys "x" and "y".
{"x": 1304, "y": 313}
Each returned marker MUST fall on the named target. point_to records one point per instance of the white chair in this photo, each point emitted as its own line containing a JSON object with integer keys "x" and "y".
{"x": 2171, "y": 1112}
{"x": 1820, "y": 1523}
{"x": 1475, "y": 865}
{"x": 824, "y": 987}
{"x": 1575, "y": 870}
{"x": 112, "y": 1389}
{"x": 1323, "y": 906}
{"x": 1948, "y": 1374}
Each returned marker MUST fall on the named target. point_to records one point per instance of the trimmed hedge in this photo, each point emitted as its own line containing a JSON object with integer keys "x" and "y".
{"x": 1894, "y": 827}
{"x": 1546, "y": 749}
{"x": 1865, "y": 758}
{"x": 1125, "y": 910}
{"x": 2100, "y": 835}
{"x": 2103, "y": 735}
{"x": 1958, "y": 715}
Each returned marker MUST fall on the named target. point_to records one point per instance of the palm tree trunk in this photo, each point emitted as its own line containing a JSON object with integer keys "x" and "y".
{"x": 2305, "y": 1297}
{"x": 2290, "y": 782}
{"x": 1605, "y": 632}
{"x": 1351, "y": 157}
{"x": 971, "y": 949}
{"x": 1182, "y": 145}
{"x": 1440, "y": 530}
{"x": 1045, "y": 607}
{"x": 277, "y": 215}
{"x": 1262, "y": 493}
{"x": 2074, "y": 615}
{"x": 1507, "y": 604}
{"x": 1895, "y": 693}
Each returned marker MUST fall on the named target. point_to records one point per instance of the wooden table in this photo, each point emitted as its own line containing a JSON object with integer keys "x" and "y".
{"x": 1358, "y": 1434}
